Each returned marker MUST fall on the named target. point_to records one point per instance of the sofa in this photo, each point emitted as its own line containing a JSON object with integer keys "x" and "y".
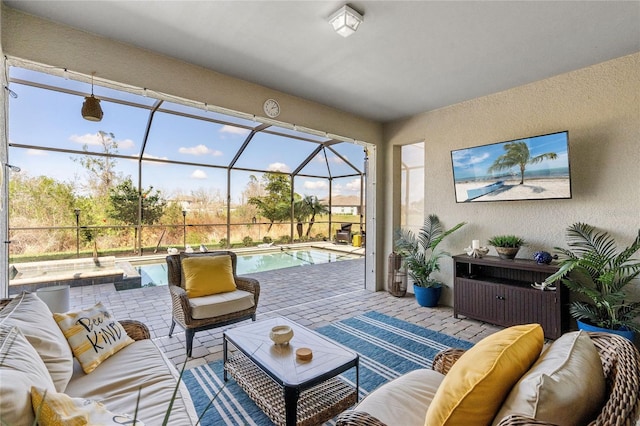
{"x": 565, "y": 384}
{"x": 39, "y": 362}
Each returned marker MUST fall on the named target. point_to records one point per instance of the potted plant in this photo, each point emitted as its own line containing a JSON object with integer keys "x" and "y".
{"x": 507, "y": 246}
{"x": 593, "y": 268}
{"x": 420, "y": 256}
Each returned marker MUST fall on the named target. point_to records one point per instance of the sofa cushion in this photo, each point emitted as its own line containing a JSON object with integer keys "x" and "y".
{"x": 139, "y": 367}
{"x": 565, "y": 386}
{"x": 29, "y": 313}
{"x": 59, "y": 409}
{"x": 20, "y": 368}
{"x": 206, "y": 275}
{"x": 221, "y": 304}
{"x": 403, "y": 401}
{"x": 476, "y": 385}
{"x": 93, "y": 334}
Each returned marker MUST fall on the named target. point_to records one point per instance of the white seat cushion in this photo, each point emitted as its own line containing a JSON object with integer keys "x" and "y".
{"x": 115, "y": 383}
{"x": 34, "y": 319}
{"x": 20, "y": 368}
{"x": 221, "y": 304}
{"x": 405, "y": 400}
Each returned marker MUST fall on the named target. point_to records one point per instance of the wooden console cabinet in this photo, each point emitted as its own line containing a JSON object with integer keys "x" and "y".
{"x": 499, "y": 292}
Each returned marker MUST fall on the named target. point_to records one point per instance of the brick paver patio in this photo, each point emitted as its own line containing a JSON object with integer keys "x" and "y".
{"x": 312, "y": 295}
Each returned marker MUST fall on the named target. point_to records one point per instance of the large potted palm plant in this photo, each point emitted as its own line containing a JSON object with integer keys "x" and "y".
{"x": 421, "y": 257}
{"x": 593, "y": 268}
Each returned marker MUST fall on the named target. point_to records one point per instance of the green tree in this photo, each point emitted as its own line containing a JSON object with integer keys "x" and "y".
{"x": 276, "y": 204}
{"x": 518, "y": 155}
{"x": 40, "y": 201}
{"x": 123, "y": 205}
{"x": 102, "y": 173}
{"x": 308, "y": 207}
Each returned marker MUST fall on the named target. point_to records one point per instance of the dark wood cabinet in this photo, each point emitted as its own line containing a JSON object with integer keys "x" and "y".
{"x": 499, "y": 291}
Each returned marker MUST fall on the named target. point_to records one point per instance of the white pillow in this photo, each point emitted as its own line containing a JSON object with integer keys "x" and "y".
{"x": 20, "y": 368}
{"x": 29, "y": 313}
{"x": 566, "y": 385}
{"x": 93, "y": 334}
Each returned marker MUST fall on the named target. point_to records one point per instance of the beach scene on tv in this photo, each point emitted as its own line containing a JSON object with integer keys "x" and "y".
{"x": 525, "y": 169}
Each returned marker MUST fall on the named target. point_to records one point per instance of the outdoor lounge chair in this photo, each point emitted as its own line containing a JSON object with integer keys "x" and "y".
{"x": 209, "y": 311}
{"x": 344, "y": 234}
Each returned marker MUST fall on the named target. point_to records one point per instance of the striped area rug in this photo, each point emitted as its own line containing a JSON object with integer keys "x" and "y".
{"x": 388, "y": 348}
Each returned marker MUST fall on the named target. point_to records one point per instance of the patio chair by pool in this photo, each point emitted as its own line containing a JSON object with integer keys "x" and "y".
{"x": 343, "y": 235}
{"x": 206, "y": 292}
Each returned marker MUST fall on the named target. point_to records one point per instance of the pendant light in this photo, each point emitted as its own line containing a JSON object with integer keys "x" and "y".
{"x": 91, "y": 107}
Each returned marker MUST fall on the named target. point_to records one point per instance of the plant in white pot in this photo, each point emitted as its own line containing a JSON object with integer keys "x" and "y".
{"x": 593, "y": 268}
{"x": 421, "y": 257}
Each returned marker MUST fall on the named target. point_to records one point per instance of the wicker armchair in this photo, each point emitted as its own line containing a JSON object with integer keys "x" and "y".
{"x": 182, "y": 307}
{"x": 621, "y": 364}
{"x": 343, "y": 235}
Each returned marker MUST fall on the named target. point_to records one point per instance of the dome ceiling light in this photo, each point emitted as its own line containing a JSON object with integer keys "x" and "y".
{"x": 345, "y": 21}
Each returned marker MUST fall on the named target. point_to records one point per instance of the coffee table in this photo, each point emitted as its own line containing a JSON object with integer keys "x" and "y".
{"x": 288, "y": 390}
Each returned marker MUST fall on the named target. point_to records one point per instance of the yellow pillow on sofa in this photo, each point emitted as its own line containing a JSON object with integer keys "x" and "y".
{"x": 206, "y": 275}
{"x": 473, "y": 390}
{"x": 93, "y": 334}
{"x": 59, "y": 409}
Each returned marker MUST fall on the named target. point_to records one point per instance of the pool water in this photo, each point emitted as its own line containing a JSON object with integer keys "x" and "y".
{"x": 155, "y": 274}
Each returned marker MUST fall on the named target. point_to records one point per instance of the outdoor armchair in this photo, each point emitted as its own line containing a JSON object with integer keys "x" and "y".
{"x": 343, "y": 235}
{"x": 195, "y": 314}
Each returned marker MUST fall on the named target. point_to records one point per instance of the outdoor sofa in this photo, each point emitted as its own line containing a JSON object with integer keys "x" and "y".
{"x": 35, "y": 352}
{"x": 567, "y": 392}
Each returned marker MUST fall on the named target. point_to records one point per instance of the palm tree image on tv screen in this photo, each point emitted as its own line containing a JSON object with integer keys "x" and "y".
{"x": 525, "y": 169}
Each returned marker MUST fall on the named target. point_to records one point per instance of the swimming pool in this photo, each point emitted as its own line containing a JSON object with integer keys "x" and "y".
{"x": 155, "y": 274}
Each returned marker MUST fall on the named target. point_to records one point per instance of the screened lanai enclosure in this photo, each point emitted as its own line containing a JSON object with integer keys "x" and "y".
{"x": 159, "y": 173}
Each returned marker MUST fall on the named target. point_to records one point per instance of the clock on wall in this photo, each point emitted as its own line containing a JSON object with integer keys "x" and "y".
{"x": 271, "y": 108}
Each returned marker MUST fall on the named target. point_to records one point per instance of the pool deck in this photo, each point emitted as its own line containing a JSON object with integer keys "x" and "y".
{"x": 313, "y": 296}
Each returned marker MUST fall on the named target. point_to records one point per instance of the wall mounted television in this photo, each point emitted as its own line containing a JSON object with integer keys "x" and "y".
{"x": 533, "y": 168}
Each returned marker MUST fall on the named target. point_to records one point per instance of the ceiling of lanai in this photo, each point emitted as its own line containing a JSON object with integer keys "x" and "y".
{"x": 407, "y": 57}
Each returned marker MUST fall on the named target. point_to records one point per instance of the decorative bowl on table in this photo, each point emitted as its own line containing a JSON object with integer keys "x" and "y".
{"x": 476, "y": 252}
{"x": 281, "y": 334}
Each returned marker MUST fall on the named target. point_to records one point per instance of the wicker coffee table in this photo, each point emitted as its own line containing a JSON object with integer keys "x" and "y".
{"x": 290, "y": 391}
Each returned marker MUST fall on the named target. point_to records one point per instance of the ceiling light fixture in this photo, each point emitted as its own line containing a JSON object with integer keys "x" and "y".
{"x": 345, "y": 21}
{"x": 91, "y": 107}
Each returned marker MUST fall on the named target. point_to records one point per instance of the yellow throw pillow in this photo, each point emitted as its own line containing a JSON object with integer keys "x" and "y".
{"x": 59, "y": 409}
{"x": 206, "y": 275}
{"x": 473, "y": 390}
{"x": 93, "y": 334}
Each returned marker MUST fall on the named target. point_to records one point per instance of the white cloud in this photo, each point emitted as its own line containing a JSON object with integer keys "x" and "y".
{"x": 234, "y": 130}
{"x": 198, "y": 174}
{"x": 126, "y": 144}
{"x": 95, "y": 140}
{"x": 337, "y": 160}
{"x": 354, "y": 185}
{"x": 318, "y": 184}
{"x": 278, "y": 167}
{"x": 37, "y": 153}
{"x": 153, "y": 157}
{"x": 199, "y": 150}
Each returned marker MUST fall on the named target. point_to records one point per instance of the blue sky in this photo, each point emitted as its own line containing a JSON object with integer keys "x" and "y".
{"x": 45, "y": 118}
{"x": 471, "y": 162}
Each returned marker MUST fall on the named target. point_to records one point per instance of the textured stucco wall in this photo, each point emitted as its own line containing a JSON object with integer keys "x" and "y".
{"x": 598, "y": 105}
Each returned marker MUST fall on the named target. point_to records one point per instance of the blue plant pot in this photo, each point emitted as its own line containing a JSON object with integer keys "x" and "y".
{"x": 427, "y": 296}
{"x": 624, "y": 332}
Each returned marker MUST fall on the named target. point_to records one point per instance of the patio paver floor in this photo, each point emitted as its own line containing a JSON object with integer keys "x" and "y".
{"x": 313, "y": 296}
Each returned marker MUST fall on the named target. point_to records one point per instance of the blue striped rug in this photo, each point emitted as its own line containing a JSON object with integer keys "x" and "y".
{"x": 388, "y": 348}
